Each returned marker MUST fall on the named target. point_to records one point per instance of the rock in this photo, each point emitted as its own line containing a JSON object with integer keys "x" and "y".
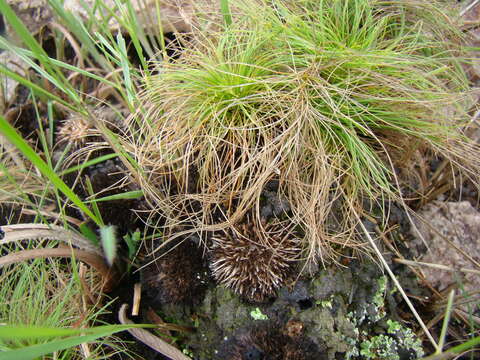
{"x": 174, "y": 15}
{"x": 13, "y": 63}
{"x": 336, "y": 315}
{"x": 34, "y": 14}
{"x": 451, "y": 233}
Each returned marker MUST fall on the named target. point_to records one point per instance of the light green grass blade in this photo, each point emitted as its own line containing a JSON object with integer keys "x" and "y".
{"x": 79, "y": 30}
{"x": 34, "y": 351}
{"x": 89, "y": 234}
{"x": 33, "y": 87}
{"x": 109, "y": 243}
{"x": 23, "y": 33}
{"x": 40, "y": 54}
{"x": 129, "y": 195}
{"x": 11, "y": 134}
{"x": 86, "y": 164}
{"x": 446, "y": 321}
{"x": 225, "y": 9}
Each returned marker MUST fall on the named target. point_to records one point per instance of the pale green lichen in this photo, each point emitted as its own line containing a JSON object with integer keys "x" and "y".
{"x": 379, "y": 299}
{"x": 188, "y": 353}
{"x": 325, "y": 303}
{"x": 353, "y": 352}
{"x": 386, "y": 347}
{"x": 258, "y": 315}
{"x": 405, "y": 337}
{"x": 380, "y": 347}
{"x": 393, "y": 326}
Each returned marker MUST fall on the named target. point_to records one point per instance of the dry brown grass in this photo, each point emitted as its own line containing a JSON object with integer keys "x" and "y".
{"x": 324, "y": 100}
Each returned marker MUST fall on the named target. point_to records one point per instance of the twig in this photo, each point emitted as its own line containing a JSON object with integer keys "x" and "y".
{"x": 137, "y": 295}
{"x": 469, "y": 7}
{"x": 149, "y": 339}
{"x": 20, "y": 232}
{"x": 435, "y": 266}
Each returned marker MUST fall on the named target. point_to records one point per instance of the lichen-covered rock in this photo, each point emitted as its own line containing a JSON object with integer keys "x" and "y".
{"x": 337, "y": 314}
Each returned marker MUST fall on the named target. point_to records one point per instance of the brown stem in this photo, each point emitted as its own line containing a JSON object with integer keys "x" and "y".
{"x": 108, "y": 274}
{"x": 149, "y": 339}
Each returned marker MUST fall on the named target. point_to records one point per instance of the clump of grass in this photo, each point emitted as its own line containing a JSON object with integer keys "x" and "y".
{"x": 50, "y": 294}
{"x": 324, "y": 97}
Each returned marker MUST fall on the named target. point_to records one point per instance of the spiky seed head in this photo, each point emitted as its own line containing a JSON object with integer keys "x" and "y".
{"x": 254, "y": 260}
{"x": 76, "y": 130}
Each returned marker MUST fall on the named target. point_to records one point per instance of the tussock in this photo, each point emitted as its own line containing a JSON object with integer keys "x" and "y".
{"x": 323, "y": 97}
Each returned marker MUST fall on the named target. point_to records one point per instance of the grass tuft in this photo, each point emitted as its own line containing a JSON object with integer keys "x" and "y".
{"x": 324, "y": 97}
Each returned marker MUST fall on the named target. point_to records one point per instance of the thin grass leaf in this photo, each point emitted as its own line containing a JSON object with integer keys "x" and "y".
{"x": 125, "y": 66}
{"x": 95, "y": 208}
{"x": 59, "y": 82}
{"x": 225, "y": 10}
{"x": 35, "y": 332}
{"x": 35, "y": 88}
{"x": 446, "y": 320}
{"x": 86, "y": 164}
{"x": 108, "y": 238}
{"x": 11, "y": 134}
{"x": 34, "y": 351}
{"x": 78, "y": 29}
{"x": 89, "y": 233}
{"x": 129, "y": 195}
{"x": 24, "y": 34}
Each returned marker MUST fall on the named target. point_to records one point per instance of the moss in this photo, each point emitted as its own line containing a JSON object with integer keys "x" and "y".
{"x": 231, "y": 312}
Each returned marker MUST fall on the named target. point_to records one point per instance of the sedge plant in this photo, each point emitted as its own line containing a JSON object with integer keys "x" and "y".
{"x": 49, "y": 294}
{"x": 324, "y": 98}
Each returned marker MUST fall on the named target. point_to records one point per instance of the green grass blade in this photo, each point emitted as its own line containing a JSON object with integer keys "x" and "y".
{"x": 34, "y": 351}
{"x": 40, "y": 54}
{"x": 79, "y": 30}
{"x": 23, "y": 33}
{"x": 29, "y": 332}
{"x": 109, "y": 243}
{"x": 125, "y": 66}
{"x": 88, "y": 163}
{"x": 129, "y": 195}
{"x": 35, "y": 88}
{"x": 446, "y": 321}
{"x": 95, "y": 208}
{"x": 225, "y": 9}
{"x": 11, "y": 134}
{"x": 89, "y": 234}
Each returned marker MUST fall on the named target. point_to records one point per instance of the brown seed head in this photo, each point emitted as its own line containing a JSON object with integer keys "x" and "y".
{"x": 76, "y": 131}
{"x": 254, "y": 260}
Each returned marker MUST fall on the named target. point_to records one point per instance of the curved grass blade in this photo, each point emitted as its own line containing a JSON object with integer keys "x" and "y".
{"x": 11, "y": 134}
{"x": 34, "y": 351}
